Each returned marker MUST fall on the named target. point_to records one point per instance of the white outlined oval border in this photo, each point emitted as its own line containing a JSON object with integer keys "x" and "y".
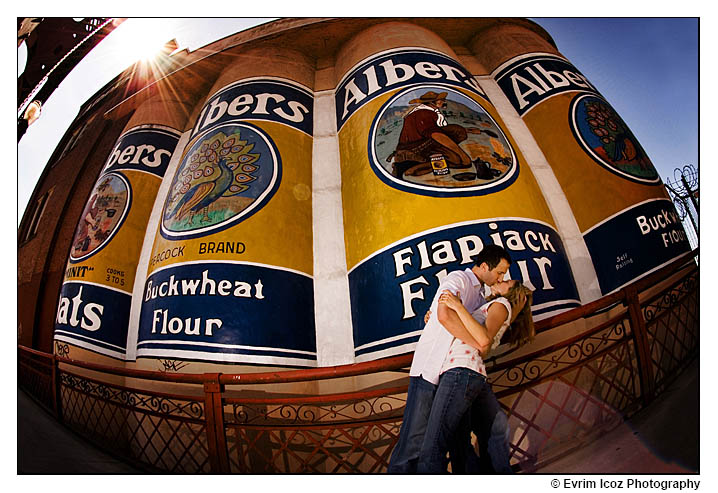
{"x": 119, "y": 224}
{"x": 406, "y": 186}
{"x": 573, "y": 124}
{"x": 258, "y": 203}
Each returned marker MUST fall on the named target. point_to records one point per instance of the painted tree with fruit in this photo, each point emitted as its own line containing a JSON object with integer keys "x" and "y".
{"x": 616, "y": 139}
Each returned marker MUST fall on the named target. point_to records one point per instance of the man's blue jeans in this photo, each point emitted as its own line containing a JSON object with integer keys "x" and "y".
{"x": 419, "y": 398}
{"x": 463, "y": 392}
{"x": 491, "y": 427}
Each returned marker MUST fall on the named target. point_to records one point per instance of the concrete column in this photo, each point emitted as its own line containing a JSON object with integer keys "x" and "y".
{"x": 332, "y": 307}
{"x": 576, "y": 250}
{"x": 152, "y": 225}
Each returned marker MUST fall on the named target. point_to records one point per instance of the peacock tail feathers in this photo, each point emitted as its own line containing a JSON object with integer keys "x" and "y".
{"x": 225, "y": 161}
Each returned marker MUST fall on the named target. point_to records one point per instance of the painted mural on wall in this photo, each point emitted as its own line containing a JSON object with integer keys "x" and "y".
{"x": 651, "y": 235}
{"x": 608, "y": 140}
{"x": 222, "y": 285}
{"x": 108, "y": 205}
{"x": 530, "y": 79}
{"x": 471, "y": 156}
{"x": 393, "y": 289}
{"x": 94, "y": 305}
{"x": 405, "y": 154}
{"x": 604, "y": 172}
{"x": 439, "y": 179}
{"x": 227, "y": 174}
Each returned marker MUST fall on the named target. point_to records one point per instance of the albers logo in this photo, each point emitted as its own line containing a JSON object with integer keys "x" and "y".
{"x": 144, "y": 149}
{"x": 432, "y": 136}
{"x": 233, "y": 168}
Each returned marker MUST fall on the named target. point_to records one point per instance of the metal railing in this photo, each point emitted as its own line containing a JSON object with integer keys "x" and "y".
{"x": 557, "y": 397}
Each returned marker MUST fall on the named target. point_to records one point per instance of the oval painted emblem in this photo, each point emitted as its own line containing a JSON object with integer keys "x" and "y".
{"x": 608, "y": 140}
{"x": 435, "y": 140}
{"x": 227, "y": 175}
{"x": 102, "y": 217}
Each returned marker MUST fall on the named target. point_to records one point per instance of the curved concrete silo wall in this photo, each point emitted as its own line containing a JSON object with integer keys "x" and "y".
{"x": 597, "y": 178}
{"x": 299, "y": 222}
{"x": 94, "y": 307}
{"x": 230, "y": 271}
{"x": 405, "y": 226}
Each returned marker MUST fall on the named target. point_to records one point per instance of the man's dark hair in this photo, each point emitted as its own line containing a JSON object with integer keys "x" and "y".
{"x": 492, "y": 255}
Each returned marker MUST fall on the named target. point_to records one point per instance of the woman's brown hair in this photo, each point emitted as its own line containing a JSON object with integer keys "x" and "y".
{"x": 522, "y": 325}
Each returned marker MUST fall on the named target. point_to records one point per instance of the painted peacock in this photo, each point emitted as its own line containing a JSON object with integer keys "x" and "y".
{"x": 220, "y": 168}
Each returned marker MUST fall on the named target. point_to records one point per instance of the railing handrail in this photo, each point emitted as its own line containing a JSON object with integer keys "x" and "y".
{"x": 367, "y": 367}
{"x": 507, "y": 363}
{"x": 612, "y": 298}
{"x": 339, "y": 371}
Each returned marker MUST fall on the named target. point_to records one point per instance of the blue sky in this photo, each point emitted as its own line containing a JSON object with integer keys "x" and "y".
{"x": 647, "y": 68}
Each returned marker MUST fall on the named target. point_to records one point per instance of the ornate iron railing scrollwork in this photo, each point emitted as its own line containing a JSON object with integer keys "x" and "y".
{"x": 537, "y": 366}
{"x": 685, "y": 286}
{"x": 263, "y": 413}
{"x": 161, "y": 404}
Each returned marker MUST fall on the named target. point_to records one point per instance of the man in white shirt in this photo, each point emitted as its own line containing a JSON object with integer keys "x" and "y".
{"x": 490, "y": 266}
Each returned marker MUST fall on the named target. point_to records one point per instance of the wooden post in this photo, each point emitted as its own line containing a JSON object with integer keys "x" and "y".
{"x": 643, "y": 350}
{"x": 56, "y": 388}
{"x": 214, "y": 422}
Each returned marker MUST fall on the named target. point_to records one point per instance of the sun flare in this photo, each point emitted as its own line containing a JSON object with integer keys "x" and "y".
{"x": 143, "y": 39}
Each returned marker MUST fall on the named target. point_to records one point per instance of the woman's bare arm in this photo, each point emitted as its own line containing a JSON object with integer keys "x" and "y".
{"x": 482, "y": 333}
